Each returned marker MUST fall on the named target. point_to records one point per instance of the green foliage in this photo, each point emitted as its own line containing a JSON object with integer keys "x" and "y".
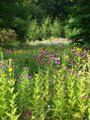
{"x": 15, "y": 15}
{"x": 18, "y": 14}
{"x": 7, "y": 35}
{"x": 55, "y": 8}
{"x": 69, "y": 33}
{"x": 81, "y": 17}
{"x": 33, "y": 30}
{"x": 55, "y": 28}
{"x": 24, "y": 92}
{"x": 45, "y": 30}
{"x": 58, "y": 89}
{"x": 8, "y": 107}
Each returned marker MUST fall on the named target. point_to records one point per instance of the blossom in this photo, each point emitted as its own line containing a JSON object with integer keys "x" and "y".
{"x": 67, "y": 57}
{"x": 51, "y": 55}
{"x": 78, "y": 49}
{"x": 10, "y": 69}
{"x": 75, "y": 53}
{"x": 57, "y": 60}
{"x": 8, "y": 51}
{"x": 28, "y": 76}
{"x": 28, "y": 114}
{"x": 33, "y": 56}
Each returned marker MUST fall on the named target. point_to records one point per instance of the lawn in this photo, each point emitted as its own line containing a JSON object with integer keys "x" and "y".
{"x": 44, "y": 82}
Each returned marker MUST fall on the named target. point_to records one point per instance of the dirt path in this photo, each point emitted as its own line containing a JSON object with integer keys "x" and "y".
{"x": 60, "y": 40}
{"x": 52, "y": 41}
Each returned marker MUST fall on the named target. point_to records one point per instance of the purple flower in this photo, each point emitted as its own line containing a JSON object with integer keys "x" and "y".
{"x": 89, "y": 97}
{"x": 33, "y": 56}
{"x": 51, "y": 55}
{"x": 28, "y": 114}
{"x": 29, "y": 77}
{"x": 57, "y": 60}
{"x": 75, "y": 53}
{"x": 42, "y": 51}
{"x": 8, "y": 51}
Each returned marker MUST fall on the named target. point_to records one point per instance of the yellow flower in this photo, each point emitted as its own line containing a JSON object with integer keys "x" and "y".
{"x": 67, "y": 57}
{"x": 72, "y": 69}
{"x": 78, "y": 49}
{"x": 81, "y": 72}
{"x": 83, "y": 61}
{"x": 10, "y": 69}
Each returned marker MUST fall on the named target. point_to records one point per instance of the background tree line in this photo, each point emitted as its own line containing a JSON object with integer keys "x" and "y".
{"x": 38, "y": 19}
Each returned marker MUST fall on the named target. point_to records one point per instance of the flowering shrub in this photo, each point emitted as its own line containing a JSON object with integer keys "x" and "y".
{"x": 45, "y": 84}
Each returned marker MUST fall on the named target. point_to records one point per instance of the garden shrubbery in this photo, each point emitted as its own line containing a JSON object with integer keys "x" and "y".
{"x": 44, "y": 30}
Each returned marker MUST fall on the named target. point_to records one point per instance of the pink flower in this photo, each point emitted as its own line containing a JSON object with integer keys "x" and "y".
{"x": 28, "y": 114}
{"x": 8, "y": 51}
{"x": 28, "y": 76}
{"x": 51, "y": 55}
{"x": 89, "y": 97}
{"x": 57, "y": 60}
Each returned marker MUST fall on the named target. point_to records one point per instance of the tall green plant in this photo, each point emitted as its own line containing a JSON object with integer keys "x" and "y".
{"x": 55, "y": 28}
{"x": 23, "y": 93}
{"x": 8, "y": 107}
{"x": 45, "y": 28}
{"x": 33, "y": 30}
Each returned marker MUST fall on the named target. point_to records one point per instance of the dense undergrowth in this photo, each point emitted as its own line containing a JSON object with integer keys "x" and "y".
{"x": 45, "y": 83}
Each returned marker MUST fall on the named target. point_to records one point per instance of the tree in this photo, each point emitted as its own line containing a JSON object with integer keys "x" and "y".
{"x": 14, "y": 14}
{"x": 55, "y": 8}
{"x": 81, "y": 19}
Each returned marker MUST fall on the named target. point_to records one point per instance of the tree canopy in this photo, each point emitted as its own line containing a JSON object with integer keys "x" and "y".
{"x": 17, "y": 14}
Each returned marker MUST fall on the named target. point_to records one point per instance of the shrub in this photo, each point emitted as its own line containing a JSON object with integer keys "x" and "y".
{"x": 7, "y": 35}
{"x": 69, "y": 31}
{"x": 33, "y": 30}
{"x": 45, "y": 28}
{"x": 55, "y": 28}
